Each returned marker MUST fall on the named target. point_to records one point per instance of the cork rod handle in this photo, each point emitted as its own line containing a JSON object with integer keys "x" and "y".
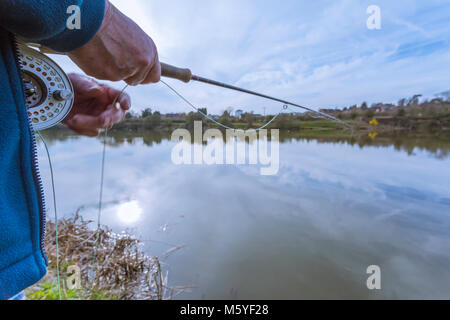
{"x": 169, "y": 71}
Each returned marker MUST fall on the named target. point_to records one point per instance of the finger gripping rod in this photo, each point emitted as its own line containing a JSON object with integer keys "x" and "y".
{"x": 186, "y": 75}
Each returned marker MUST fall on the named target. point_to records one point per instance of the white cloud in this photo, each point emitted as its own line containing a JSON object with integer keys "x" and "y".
{"x": 314, "y": 53}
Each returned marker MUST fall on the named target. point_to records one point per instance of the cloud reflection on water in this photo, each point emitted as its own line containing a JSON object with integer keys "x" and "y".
{"x": 309, "y": 232}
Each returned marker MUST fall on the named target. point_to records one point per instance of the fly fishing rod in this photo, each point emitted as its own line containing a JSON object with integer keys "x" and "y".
{"x": 50, "y": 95}
{"x": 186, "y": 76}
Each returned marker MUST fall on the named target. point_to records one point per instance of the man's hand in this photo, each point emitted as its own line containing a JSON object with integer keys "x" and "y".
{"x": 93, "y": 109}
{"x": 120, "y": 50}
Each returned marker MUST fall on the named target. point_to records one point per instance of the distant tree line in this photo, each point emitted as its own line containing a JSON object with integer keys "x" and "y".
{"x": 407, "y": 108}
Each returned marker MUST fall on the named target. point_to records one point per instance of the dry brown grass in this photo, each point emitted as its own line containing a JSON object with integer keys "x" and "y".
{"x": 120, "y": 269}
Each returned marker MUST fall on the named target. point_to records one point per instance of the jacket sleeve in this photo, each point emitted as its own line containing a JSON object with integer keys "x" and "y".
{"x": 45, "y": 21}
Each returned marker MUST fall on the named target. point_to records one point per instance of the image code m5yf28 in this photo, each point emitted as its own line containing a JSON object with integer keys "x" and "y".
{"x": 225, "y": 157}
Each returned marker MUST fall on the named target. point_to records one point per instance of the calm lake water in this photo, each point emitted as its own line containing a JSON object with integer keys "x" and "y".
{"x": 334, "y": 209}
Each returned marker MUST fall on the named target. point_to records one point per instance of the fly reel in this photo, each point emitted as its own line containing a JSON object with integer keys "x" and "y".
{"x": 49, "y": 94}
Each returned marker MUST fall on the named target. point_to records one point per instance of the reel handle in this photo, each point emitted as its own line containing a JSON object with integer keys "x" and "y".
{"x": 169, "y": 71}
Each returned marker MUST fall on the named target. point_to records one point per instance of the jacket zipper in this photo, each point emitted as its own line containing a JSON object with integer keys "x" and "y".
{"x": 34, "y": 163}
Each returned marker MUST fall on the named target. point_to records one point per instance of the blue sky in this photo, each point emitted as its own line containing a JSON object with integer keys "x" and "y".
{"x": 316, "y": 53}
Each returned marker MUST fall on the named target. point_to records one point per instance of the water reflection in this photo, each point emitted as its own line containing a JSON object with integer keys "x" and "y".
{"x": 336, "y": 207}
{"x": 438, "y": 145}
{"x": 129, "y": 212}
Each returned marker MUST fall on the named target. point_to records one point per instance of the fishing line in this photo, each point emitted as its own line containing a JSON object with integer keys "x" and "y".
{"x": 102, "y": 178}
{"x": 103, "y": 165}
{"x": 217, "y": 122}
{"x": 56, "y": 106}
{"x": 100, "y": 201}
{"x": 56, "y": 214}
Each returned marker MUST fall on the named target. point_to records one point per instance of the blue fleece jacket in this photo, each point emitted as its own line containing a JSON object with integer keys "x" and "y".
{"x": 22, "y": 212}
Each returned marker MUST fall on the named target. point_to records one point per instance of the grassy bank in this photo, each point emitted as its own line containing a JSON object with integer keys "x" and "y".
{"x": 119, "y": 271}
{"x": 407, "y": 115}
{"x": 305, "y": 128}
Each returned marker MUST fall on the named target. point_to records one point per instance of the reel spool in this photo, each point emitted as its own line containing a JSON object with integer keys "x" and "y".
{"x": 48, "y": 91}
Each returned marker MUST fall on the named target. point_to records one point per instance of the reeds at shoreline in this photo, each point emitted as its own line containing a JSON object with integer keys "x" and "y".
{"x": 117, "y": 269}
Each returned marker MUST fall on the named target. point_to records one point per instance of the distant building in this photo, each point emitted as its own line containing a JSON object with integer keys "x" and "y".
{"x": 330, "y": 111}
{"x": 239, "y": 113}
{"x": 175, "y": 116}
{"x": 381, "y": 107}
